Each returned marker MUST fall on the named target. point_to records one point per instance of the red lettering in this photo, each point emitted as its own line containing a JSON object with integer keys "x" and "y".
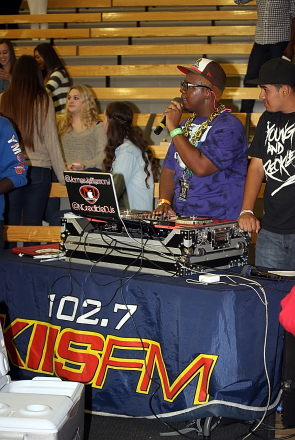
{"x": 78, "y": 355}
{"x": 108, "y": 361}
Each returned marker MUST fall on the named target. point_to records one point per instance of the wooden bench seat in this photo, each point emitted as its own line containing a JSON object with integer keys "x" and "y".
{"x": 13, "y": 34}
{"x": 60, "y": 50}
{"x": 62, "y": 4}
{"x": 141, "y": 120}
{"x": 146, "y": 3}
{"x": 66, "y": 4}
{"x": 50, "y": 234}
{"x": 143, "y": 70}
{"x": 173, "y": 31}
{"x": 254, "y": 118}
{"x": 51, "y": 18}
{"x": 166, "y": 49}
{"x": 181, "y": 14}
{"x": 166, "y": 93}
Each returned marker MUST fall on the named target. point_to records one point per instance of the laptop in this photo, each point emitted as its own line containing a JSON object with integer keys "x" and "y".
{"x": 92, "y": 194}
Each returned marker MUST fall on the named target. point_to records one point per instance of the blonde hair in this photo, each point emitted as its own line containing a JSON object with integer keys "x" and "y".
{"x": 89, "y": 116}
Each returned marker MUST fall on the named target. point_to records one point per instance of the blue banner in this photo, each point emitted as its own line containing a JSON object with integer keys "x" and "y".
{"x": 188, "y": 350}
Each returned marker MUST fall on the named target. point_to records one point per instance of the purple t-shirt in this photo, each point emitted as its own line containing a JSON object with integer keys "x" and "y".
{"x": 219, "y": 195}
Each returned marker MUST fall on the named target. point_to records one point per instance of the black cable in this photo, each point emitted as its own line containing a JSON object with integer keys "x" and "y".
{"x": 144, "y": 360}
{"x": 70, "y": 276}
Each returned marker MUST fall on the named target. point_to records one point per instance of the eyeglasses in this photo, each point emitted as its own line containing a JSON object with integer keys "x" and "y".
{"x": 185, "y": 85}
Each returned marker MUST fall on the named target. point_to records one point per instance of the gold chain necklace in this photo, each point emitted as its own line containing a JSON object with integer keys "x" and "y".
{"x": 198, "y": 134}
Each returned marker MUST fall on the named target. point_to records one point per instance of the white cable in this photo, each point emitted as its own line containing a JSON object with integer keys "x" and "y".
{"x": 265, "y": 303}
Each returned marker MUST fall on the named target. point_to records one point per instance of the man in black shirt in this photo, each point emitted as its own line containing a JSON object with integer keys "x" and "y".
{"x": 273, "y": 157}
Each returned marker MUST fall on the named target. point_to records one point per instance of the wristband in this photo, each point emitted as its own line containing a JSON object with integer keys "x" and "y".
{"x": 175, "y": 132}
{"x": 246, "y": 210}
{"x": 162, "y": 201}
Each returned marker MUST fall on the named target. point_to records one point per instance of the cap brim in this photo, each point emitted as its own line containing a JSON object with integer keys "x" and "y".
{"x": 256, "y": 81}
{"x": 185, "y": 70}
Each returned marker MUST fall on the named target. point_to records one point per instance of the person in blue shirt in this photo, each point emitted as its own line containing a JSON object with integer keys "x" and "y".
{"x": 129, "y": 158}
{"x": 13, "y": 167}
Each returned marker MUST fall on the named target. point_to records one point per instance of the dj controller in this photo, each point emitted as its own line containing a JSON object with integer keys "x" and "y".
{"x": 155, "y": 244}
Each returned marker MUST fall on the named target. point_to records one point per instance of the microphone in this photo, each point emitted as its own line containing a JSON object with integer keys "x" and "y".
{"x": 254, "y": 272}
{"x": 162, "y": 124}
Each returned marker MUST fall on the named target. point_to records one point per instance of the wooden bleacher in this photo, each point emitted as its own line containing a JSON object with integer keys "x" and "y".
{"x": 174, "y": 16}
{"x": 62, "y": 51}
{"x": 51, "y": 18}
{"x": 13, "y": 34}
{"x": 139, "y": 50}
{"x": 174, "y": 3}
{"x": 172, "y": 31}
{"x": 66, "y": 4}
{"x": 215, "y": 13}
{"x": 142, "y": 70}
{"x": 166, "y": 49}
{"x": 164, "y": 93}
{"x": 62, "y": 4}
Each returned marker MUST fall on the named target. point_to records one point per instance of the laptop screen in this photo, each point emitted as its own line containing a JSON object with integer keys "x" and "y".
{"x": 92, "y": 194}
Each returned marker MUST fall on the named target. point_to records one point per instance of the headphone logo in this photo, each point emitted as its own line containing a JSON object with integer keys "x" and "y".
{"x": 89, "y": 193}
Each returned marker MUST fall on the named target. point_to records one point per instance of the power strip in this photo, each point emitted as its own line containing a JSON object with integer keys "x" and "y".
{"x": 209, "y": 278}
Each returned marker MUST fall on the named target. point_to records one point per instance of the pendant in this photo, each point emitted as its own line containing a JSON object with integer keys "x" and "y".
{"x": 184, "y": 187}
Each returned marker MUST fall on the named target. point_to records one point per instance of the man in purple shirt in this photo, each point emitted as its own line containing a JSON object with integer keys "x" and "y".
{"x": 205, "y": 168}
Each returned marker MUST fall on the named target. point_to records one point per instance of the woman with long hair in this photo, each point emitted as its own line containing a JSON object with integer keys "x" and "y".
{"x": 83, "y": 138}
{"x": 129, "y": 158}
{"x": 31, "y": 111}
{"x": 7, "y": 62}
{"x": 57, "y": 84}
{"x": 55, "y": 76}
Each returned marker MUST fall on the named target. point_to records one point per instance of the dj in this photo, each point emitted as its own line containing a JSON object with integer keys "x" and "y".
{"x": 205, "y": 168}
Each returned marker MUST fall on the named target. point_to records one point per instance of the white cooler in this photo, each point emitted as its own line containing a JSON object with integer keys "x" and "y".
{"x": 41, "y": 408}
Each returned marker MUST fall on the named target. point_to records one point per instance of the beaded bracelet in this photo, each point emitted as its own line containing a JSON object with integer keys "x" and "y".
{"x": 246, "y": 210}
{"x": 162, "y": 201}
{"x": 175, "y": 132}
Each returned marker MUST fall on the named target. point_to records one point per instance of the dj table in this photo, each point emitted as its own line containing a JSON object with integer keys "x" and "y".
{"x": 186, "y": 349}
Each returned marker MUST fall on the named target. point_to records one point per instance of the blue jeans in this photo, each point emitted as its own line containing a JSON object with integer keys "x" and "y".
{"x": 275, "y": 251}
{"x": 27, "y": 204}
{"x": 259, "y": 55}
{"x": 53, "y": 204}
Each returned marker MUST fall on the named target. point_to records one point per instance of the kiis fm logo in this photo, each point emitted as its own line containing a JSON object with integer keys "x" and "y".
{"x": 89, "y": 193}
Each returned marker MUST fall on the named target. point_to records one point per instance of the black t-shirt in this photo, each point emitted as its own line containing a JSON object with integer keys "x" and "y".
{"x": 274, "y": 143}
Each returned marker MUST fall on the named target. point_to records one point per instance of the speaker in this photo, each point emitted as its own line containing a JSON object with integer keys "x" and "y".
{"x": 288, "y": 381}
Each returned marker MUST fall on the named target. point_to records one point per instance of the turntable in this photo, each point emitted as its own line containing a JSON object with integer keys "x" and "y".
{"x": 155, "y": 243}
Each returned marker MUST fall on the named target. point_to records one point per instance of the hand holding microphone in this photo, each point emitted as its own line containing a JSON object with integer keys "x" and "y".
{"x": 171, "y": 108}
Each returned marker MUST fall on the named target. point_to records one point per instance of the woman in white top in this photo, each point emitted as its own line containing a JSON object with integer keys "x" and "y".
{"x": 83, "y": 138}
{"x": 129, "y": 159}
